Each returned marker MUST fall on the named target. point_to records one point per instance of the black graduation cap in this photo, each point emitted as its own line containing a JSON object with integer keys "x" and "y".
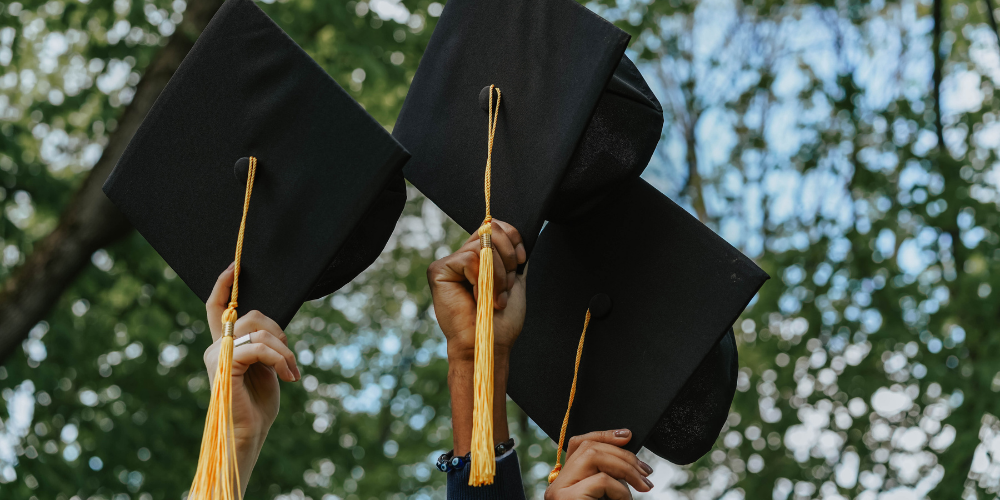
{"x": 328, "y": 187}
{"x": 576, "y": 123}
{"x": 576, "y": 126}
{"x": 659, "y": 356}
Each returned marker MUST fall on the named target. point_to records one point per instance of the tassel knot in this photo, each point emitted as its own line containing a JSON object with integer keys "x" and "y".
{"x": 555, "y": 473}
{"x": 229, "y": 316}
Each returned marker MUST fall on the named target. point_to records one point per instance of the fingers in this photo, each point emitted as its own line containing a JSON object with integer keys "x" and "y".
{"x": 507, "y": 241}
{"x": 277, "y": 345}
{"x": 256, "y": 320}
{"x": 248, "y": 354}
{"x": 599, "y": 486}
{"x": 593, "y": 457}
{"x": 219, "y": 300}
{"x": 465, "y": 263}
{"x": 508, "y": 253}
{"x": 504, "y": 247}
{"x": 601, "y": 451}
{"x": 501, "y": 283}
{"x": 617, "y": 437}
{"x": 520, "y": 254}
{"x": 461, "y": 267}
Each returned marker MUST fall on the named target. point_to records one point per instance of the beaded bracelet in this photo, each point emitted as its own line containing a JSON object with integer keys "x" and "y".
{"x": 448, "y": 462}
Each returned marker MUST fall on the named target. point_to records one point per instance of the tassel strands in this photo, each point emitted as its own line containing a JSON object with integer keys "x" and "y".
{"x": 483, "y": 464}
{"x": 217, "y": 476}
{"x": 572, "y": 393}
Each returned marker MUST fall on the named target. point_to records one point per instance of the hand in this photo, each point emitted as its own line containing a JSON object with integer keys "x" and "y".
{"x": 453, "y": 287}
{"x": 256, "y": 368}
{"x": 597, "y": 467}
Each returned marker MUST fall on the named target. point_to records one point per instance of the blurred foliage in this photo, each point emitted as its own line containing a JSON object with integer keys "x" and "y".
{"x": 803, "y": 132}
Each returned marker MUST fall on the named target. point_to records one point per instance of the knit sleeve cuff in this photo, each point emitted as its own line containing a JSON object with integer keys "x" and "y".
{"x": 506, "y": 484}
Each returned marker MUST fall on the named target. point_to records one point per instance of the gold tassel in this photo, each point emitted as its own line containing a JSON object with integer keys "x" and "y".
{"x": 483, "y": 466}
{"x": 217, "y": 476}
{"x": 572, "y": 393}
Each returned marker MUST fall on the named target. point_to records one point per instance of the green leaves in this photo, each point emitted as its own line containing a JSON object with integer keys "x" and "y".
{"x": 803, "y": 131}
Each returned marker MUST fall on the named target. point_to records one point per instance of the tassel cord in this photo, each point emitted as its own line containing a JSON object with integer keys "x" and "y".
{"x": 572, "y": 394}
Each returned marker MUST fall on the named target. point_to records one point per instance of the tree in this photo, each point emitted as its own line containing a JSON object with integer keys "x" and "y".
{"x": 849, "y": 147}
{"x": 854, "y": 172}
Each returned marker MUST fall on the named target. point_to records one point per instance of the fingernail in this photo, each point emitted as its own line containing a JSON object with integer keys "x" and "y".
{"x": 645, "y": 467}
{"x": 623, "y": 433}
{"x": 522, "y": 255}
{"x": 231, "y": 265}
{"x": 648, "y": 482}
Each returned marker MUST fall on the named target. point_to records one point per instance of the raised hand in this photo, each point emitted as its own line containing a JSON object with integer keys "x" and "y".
{"x": 257, "y": 365}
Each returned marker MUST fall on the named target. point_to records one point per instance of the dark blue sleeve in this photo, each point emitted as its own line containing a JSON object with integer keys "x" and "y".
{"x": 506, "y": 484}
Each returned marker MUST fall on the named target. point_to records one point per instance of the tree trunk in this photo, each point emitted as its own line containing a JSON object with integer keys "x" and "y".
{"x": 90, "y": 221}
{"x": 694, "y": 185}
{"x": 937, "y": 76}
{"x": 992, "y": 19}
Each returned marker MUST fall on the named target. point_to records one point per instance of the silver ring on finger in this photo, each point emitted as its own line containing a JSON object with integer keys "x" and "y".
{"x": 243, "y": 340}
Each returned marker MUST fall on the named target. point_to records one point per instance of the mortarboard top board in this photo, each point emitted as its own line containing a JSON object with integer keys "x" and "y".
{"x": 659, "y": 356}
{"x": 328, "y": 187}
{"x": 576, "y": 120}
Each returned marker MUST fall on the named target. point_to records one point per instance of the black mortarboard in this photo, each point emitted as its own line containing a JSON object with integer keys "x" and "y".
{"x": 576, "y": 121}
{"x": 328, "y": 187}
{"x": 659, "y": 356}
{"x": 576, "y": 126}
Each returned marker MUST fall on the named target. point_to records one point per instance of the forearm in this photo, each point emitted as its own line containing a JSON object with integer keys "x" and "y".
{"x": 247, "y": 453}
{"x": 461, "y": 373}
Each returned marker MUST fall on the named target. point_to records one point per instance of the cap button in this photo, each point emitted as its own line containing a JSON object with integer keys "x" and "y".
{"x": 241, "y": 169}
{"x": 484, "y": 98}
{"x": 600, "y": 305}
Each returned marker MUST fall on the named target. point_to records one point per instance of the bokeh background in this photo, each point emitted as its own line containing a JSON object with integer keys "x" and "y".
{"x": 849, "y": 147}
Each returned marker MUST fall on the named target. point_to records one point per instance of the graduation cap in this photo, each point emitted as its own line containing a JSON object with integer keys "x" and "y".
{"x": 569, "y": 122}
{"x": 328, "y": 187}
{"x": 250, "y": 124}
{"x": 660, "y": 292}
{"x": 576, "y": 122}
{"x": 576, "y": 127}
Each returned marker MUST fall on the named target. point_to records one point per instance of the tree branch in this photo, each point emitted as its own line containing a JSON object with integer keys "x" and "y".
{"x": 693, "y": 187}
{"x": 992, "y": 19}
{"x": 937, "y": 76}
{"x": 90, "y": 221}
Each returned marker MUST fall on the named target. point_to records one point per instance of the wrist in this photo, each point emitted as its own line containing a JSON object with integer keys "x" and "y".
{"x": 247, "y": 451}
{"x": 459, "y": 353}
{"x": 248, "y": 446}
{"x": 461, "y": 376}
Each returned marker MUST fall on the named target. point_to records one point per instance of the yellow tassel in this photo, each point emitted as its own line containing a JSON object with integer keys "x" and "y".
{"x": 217, "y": 476}
{"x": 483, "y": 463}
{"x": 483, "y": 466}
